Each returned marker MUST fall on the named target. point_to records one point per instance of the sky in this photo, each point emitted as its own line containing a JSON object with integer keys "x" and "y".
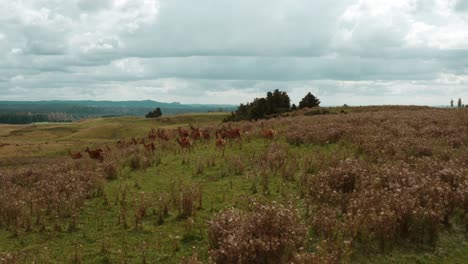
{"x": 355, "y": 52}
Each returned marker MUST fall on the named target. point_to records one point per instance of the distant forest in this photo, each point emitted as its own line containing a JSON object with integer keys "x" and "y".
{"x": 22, "y": 112}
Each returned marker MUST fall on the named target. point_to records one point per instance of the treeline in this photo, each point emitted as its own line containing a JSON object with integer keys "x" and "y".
{"x": 275, "y": 103}
{"x": 28, "y": 118}
{"x": 93, "y": 109}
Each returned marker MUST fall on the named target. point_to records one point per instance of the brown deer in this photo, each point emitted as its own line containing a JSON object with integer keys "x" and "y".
{"x": 150, "y": 147}
{"x": 152, "y": 135}
{"x": 182, "y": 133}
{"x": 75, "y": 156}
{"x": 195, "y": 133}
{"x": 185, "y": 143}
{"x": 122, "y": 143}
{"x": 233, "y": 133}
{"x": 268, "y": 133}
{"x": 95, "y": 154}
{"x": 162, "y": 134}
{"x": 205, "y": 134}
{"x": 220, "y": 143}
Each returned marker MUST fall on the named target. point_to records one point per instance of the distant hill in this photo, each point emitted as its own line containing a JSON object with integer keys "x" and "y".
{"x": 19, "y": 112}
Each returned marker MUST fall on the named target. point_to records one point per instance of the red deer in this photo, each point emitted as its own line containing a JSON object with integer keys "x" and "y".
{"x": 185, "y": 143}
{"x": 230, "y": 133}
{"x": 220, "y": 143}
{"x": 152, "y": 135}
{"x": 95, "y": 154}
{"x": 123, "y": 143}
{"x": 205, "y": 134}
{"x": 75, "y": 156}
{"x": 162, "y": 134}
{"x": 195, "y": 133}
{"x": 268, "y": 133}
{"x": 150, "y": 147}
{"x": 183, "y": 133}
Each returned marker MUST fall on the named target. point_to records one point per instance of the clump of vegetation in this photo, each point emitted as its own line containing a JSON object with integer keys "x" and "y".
{"x": 155, "y": 113}
{"x": 190, "y": 199}
{"x": 35, "y": 198}
{"x": 274, "y": 104}
{"x": 267, "y": 233}
{"x": 309, "y": 101}
{"x": 111, "y": 172}
{"x": 368, "y": 203}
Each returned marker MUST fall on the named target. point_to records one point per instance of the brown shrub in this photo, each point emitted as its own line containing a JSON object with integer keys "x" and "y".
{"x": 269, "y": 233}
{"x": 381, "y": 203}
{"x": 41, "y": 195}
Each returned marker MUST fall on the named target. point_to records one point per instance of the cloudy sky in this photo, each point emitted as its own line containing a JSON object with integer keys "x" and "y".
{"x": 356, "y": 52}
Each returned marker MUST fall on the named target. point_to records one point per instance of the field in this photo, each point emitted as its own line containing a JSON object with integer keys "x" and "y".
{"x": 340, "y": 185}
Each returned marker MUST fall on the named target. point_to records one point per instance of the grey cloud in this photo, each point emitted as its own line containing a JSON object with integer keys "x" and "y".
{"x": 461, "y": 5}
{"x": 188, "y": 50}
{"x": 93, "y": 5}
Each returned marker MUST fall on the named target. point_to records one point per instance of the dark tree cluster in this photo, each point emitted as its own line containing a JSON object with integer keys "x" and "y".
{"x": 22, "y": 118}
{"x": 275, "y": 103}
{"x": 154, "y": 114}
{"x": 309, "y": 101}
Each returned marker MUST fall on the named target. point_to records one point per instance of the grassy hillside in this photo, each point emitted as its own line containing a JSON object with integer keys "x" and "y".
{"x": 139, "y": 207}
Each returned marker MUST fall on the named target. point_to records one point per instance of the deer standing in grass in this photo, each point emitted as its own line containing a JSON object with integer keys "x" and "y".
{"x": 152, "y": 135}
{"x": 267, "y": 133}
{"x": 185, "y": 143}
{"x": 76, "y": 155}
{"x": 205, "y": 134}
{"x": 231, "y": 133}
{"x": 220, "y": 143}
{"x": 195, "y": 133}
{"x": 150, "y": 147}
{"x": 182, "y": 133}
{"x": 95, "y": 154}
{"x": 162, "y": 134}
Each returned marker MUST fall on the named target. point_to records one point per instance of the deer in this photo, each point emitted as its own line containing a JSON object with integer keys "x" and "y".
{"x": 152, "y": 135}
{"x": 122, "y": 143}
{"x": 268, "y": 133}
{"x": 95, "y": 154}
{"x": 195, "y": 133}
{"x": 220, "y": 143}
{"x": 233, "y": 133}
{"x": 185, "y": 143}
{"x": 75, "y": 156}
{"x": 183, "y": 133}
{"x": 162, "y": 134}
{"x": 205, "y": 134}
{"x": 150, "y": 147}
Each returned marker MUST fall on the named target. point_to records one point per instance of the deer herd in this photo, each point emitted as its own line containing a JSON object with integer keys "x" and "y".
{"x": 185, "y": 138}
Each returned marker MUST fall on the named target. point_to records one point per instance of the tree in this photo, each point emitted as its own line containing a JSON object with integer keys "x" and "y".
{"x": 274, "y": 103}
{"x": 154, "y": 114}
{"x": 278, "y": 102}
{"x": 293, "y": 107}
{"x": 459, "y": 103}
{"x": 309, "y": 101}
{"x": 451, "y": 102}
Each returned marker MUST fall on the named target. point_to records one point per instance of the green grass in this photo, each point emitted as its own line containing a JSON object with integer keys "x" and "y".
{"x": 99, "y": 239}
